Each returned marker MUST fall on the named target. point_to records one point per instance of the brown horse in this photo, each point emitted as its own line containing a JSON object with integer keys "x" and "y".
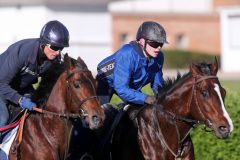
{"x": 162, "y": 131}
{"x": 46, "y": 135}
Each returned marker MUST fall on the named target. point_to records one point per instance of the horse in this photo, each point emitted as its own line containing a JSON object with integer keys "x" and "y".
{"x": 161, "y": 131}
{"x": 47, "y": 131}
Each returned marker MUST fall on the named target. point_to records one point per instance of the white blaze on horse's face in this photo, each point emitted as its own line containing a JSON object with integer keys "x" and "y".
{"x": 217, "y": 89}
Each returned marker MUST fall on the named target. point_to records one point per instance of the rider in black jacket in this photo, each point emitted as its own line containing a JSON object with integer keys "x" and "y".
{"x": 24, "y": 61}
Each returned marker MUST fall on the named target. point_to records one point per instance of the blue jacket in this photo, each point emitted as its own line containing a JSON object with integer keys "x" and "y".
{"x": 21, "y": 65}
{"x": 128, "y": 70}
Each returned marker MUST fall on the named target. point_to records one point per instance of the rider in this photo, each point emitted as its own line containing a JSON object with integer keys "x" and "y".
{"x": 133, "y": 66}
{"x": 24, "y": 61}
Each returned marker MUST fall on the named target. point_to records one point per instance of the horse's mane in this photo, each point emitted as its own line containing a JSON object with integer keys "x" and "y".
{"x": 49, "y": 78}
{"x": 171, "y": 83}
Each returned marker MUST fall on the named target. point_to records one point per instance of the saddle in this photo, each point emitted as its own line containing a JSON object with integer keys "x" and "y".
{"x": 15, "y": 113}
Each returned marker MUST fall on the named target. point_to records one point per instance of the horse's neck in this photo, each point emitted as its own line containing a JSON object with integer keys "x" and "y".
{"x": 56, "y": 101}
{"x": 178, "y": 100}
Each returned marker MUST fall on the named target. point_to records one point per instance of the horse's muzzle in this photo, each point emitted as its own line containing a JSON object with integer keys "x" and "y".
{"x": 223, "y": 132}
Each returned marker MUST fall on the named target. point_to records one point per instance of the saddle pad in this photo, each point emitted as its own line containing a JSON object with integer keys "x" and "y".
{"x": 7, "y": 142}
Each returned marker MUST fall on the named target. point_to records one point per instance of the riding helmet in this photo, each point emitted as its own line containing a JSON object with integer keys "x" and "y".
{"x": 152, "y": 31}
{"x": 55, "y": 33}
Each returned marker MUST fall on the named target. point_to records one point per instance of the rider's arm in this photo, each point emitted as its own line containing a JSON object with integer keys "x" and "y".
{"x": 12, "y": 64}
{"x": 124, "y": 66}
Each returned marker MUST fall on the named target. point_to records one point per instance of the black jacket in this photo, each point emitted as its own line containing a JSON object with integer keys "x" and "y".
{"x": 21, "y": 65}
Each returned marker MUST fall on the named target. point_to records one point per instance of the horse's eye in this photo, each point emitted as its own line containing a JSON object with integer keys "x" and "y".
{"x": 205, "y": 94}
{"x": 76, "y": 84}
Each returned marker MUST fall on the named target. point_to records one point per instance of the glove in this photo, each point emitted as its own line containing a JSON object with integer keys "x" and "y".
{"x": 150, "y": 99}
{"x": 26, "y": 103}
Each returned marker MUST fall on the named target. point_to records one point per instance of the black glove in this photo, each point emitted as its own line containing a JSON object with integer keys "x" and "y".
{"x": 150, "y": 99}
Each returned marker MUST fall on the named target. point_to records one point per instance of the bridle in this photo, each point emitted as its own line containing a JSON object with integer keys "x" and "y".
{"x": 71, "y": 98}
{"x": 194, "y": 94}
{"x": 74, "y": 97}
{"x": 176, "y": 118}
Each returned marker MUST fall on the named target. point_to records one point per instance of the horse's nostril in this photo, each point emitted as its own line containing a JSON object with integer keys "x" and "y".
{"x": 223, "y": 128}
{"x": 96, "y": 120}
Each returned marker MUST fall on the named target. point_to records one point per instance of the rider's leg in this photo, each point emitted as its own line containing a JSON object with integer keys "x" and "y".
{"x": 104, "y": 92}
{"x": 4, "y": 115}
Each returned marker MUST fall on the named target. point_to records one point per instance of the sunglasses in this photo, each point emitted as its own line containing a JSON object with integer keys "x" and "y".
{"x": 55, "y": 48}
{"x": 154, "y": 44}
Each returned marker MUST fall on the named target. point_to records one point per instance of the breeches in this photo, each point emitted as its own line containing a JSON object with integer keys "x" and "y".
{"x": 104, "y": 92}
{"x": 4, "y": 114}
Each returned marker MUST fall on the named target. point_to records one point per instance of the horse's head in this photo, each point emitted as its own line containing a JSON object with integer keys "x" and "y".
{"x": 80, "y": 93}
{"x": 207, "y": 100}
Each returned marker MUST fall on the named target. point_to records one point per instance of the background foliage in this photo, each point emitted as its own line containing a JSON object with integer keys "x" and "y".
{"x": 181, "y": 59}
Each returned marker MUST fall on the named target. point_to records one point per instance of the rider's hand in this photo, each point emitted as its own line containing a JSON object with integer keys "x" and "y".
{"x": 25, "y": 102}
{"x": 150, "y": 99}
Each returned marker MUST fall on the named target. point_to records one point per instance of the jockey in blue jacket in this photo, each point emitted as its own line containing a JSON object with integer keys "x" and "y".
{"x": 24, "y": 61}
{"x": 133, "y": 66}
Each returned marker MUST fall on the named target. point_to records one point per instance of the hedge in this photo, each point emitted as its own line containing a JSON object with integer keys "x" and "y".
{"x": 181, "y": 59}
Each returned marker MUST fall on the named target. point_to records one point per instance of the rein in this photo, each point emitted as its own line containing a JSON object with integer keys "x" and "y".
{"x": 174, "y": 118}
{"x": 64, "y": 115}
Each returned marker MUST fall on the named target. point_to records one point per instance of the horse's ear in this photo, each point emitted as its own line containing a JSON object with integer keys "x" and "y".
{"x": 65, "y": 57}
{"x": 83, "y": 64}
{"x": 67, "y": 61}
{"x": 214, "y": 66}
{"x": 194, "y": 70}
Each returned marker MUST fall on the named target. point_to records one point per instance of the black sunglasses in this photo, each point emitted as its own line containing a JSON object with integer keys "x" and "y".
{"x": 55, "y": 48}
{"x": 154, "y": 44}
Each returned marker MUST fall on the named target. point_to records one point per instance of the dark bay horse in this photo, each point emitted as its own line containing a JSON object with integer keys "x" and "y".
{"x": 46, "y": 135}
{"x": 162, "y": 131}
